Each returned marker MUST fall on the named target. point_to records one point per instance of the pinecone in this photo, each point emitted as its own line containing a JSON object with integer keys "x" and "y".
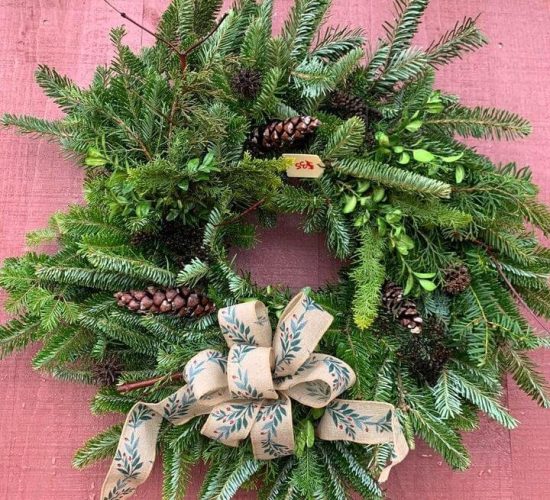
{"x": 402, "y": 308}
{"x": 107, "y": 371}
{"x": 457, "y": 279}
{"x": 184, "y": 302}
{"x": 279, "y": 134}
{"x": 426, "y": 355}
{"x": 246, "y": 83}
{"x": 347, "y": 105}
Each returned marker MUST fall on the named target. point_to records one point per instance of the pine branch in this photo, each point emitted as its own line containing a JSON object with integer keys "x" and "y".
{"x": 463, "y": 38}
{"x": 368, "y": 274}
{"x": 346, "y": 139}
{"x": 393, "y": 177}
{"x": 484, "y": 123}
{"x": 524, "y": 373}
{"x": 100, "y": 447}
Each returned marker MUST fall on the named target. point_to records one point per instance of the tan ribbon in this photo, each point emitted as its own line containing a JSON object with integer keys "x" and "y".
{"x": 249, "y": 392}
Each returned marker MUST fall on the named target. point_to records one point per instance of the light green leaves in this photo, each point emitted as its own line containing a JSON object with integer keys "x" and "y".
{"x": 423, "y": 156}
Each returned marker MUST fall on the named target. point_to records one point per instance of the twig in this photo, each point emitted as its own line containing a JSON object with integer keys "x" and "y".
{"x": 251, "y": 208}
{"x": 181, "y": 55}
{"x": 131, "y": 386}
{"x": 170, "y": 45}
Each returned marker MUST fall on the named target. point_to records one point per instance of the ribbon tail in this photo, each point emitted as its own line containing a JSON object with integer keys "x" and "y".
{"x": 400, "y": 448}
{"x": 135, "y": 454}
{"x": 136, "y": 451}
{"x": 365, "y": 422}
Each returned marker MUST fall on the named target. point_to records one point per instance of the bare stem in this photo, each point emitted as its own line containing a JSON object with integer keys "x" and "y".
{"x": 132, "y": 386}
{"x": 251, "y": 208}
{"x": 181, "y": 55}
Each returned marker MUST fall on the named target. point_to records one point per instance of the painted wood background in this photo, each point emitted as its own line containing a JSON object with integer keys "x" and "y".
{"x": 43, "y": 421}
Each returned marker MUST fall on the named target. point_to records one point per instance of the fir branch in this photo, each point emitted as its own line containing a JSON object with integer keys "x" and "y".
{"x": 400, "y": 31}
{"x": 484, "y": 123}
{"x": 393, "y": 177}
{"x": 525, "y": 374}
{"x": 463, "y": 38}
{"x": 101, "y": 446}
{"x": 369, "y": 275}
{"x": 346, "y": 139}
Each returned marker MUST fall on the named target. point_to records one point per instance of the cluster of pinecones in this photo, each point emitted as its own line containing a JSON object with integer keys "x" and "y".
{"x": 402, "y": 308}
{"x": 183, "y": 302}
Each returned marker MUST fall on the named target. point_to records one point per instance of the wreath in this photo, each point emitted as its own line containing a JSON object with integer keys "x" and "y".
{"x": 220, "y": 127}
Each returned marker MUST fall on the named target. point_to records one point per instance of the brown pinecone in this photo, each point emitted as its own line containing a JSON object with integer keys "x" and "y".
{"x": 347, "y": 105}
{"x": 278, "y": 134}
{"x": 107, "y": 371}
{"x": 184, "y": 302}
{"x": 246, "y": 83}
{"x": 402, "y": 308}
{"x": 457, "y": 279}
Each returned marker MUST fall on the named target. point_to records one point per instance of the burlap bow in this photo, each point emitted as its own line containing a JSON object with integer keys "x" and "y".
{"x": 249, "y": 392}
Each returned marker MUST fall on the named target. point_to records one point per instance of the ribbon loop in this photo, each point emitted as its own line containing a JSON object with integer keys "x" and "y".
{"x": 249, "y": 393}
{"x": 249, "y": 372}
{"x": 246, "y": 323}
{"x": 321, "y": 379}
{"x": 301, "y": 327}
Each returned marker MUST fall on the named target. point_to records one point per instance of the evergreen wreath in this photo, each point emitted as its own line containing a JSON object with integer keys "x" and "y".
{"x": 182, "y": 141}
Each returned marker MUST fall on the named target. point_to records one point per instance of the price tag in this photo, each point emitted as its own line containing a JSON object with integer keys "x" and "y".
{"x": 309, "y": 166}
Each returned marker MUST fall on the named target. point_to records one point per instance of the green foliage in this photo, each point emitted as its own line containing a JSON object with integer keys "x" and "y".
{"x": 368, "y": 275}
{"x": 486, "y": 123}
{"x": 464, "y": 37}
{"x": 400, "y": 199}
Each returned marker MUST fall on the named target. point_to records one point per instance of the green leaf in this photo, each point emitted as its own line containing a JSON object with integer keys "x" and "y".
{"x": 310, "y": 434}
{"x": 423, "y": 155}
{"x": 459, "y": 174}
{"x": 414, "y": 125}
{"x": 409, "y": 284}
{"x": 350, "y": 204}
{"x": 424, "y": 275}
{"x": 428, "y": 285}
{"x": 404, "y": 158}
{"x": 451, "y": 159}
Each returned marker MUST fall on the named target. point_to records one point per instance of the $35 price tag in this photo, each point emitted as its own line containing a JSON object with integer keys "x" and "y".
{"x": 307, "y": 166}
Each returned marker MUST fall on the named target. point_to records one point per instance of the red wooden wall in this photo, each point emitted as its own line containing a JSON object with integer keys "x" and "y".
{"x": 42, "y": 421}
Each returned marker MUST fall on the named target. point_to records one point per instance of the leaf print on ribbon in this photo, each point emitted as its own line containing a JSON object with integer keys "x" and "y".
{"x": 193, "y": 368}
{"x": 318, "y": 390}
{"x": 119, "y": 491}
{"x": 177, "y": 407}
{"x": 340, "y": 373}
{"x": 235, "y": 415}
{"x": 271, "y": 416}
{"x": 349, "y": 420}
{"x": 235, "y": 329}
{"x": 290, "y": 340}
{"x": 140, "y": 414}
{"x": 246, "y": 390}
{"x": 219, "y": 359}
{"x": 128, "y": 460}
{"x": 311, "y": 305}
{"x": 239, "y": 352}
